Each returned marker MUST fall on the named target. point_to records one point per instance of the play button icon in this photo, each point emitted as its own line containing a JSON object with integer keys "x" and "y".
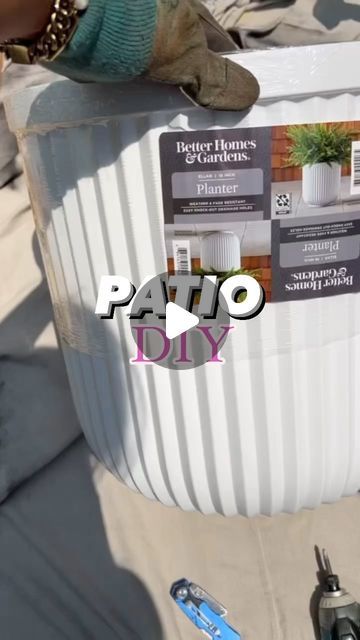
{"x": 178, "y": 320}
{"x": 179, "y": 337}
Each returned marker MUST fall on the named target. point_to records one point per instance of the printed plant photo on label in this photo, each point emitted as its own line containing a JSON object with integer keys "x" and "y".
{"x": 315, "y": 166}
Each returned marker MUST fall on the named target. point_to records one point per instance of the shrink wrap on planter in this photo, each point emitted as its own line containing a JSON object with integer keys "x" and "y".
{"x": 277, "y": 427}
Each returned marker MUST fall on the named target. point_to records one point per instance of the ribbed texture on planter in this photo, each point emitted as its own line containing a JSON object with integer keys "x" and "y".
{"x": 277, "y": 427}
{"x": 321, "y": 184}
{"x": 220, "y": 251}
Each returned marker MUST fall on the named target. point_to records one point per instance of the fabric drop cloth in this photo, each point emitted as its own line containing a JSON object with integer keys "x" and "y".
{"x": 15, "y": 78}
{"x": 82, "y": 557}
{"x": 263, "y": 23}
{"x": 37, "y": 419}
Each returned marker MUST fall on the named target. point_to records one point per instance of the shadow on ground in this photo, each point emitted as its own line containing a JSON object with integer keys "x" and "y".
{"x": 330, "y": 14}
{"x": 58, "y": 578}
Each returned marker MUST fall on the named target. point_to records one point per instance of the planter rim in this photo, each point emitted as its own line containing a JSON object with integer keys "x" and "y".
{"x": 331, "y": 165}
{"x": 67, "y": 103}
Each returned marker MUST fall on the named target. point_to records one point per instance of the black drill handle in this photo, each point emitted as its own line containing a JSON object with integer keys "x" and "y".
{"x": 346, "y": 629}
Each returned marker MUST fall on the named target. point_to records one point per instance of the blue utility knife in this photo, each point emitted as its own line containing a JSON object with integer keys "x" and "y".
{"x": 203, "y": 610}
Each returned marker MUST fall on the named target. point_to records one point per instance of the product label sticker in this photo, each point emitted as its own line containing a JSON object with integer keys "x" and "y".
{"x": 216, "y": 175}
{"x": 315, "y": 256}
{"x": 280, "y": 203}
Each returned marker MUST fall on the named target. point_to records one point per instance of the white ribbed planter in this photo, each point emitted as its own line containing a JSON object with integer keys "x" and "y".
{"x": 220, "y": 251}
{"x": 277, "y": 427}
{"x": 321, "y": 183}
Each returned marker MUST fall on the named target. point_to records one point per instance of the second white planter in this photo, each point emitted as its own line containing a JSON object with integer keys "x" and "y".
{"x": 321, "y": 184}
{"x": 220, "y": 251}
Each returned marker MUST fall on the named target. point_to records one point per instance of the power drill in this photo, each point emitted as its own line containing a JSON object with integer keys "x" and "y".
{"x": 339, "y": 613}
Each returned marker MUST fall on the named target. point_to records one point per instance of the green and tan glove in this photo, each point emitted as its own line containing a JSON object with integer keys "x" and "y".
{"x": 163, "y": 40}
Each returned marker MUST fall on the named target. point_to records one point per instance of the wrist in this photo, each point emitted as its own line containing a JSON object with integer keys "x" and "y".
{"x": 50, "y": 40}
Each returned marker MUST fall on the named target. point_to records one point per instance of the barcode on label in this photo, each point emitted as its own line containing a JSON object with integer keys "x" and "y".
{"x": 182, "y": 255}
{"x": 355, "y": 168}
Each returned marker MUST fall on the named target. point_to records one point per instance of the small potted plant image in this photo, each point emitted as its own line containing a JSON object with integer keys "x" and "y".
{"x": 220, "y": 250}
{"x": 221, "y": 257}
{"x": 321, "y": 150}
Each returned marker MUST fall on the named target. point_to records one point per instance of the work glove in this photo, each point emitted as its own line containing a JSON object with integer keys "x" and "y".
{"x": 163, "y": 40}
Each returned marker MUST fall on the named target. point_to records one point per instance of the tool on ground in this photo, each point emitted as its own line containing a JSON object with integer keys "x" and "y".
{"x": 339, "y": 613}
{"x": 203, "y": 610}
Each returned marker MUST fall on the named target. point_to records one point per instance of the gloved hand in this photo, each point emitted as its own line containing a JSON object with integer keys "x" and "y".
{"x": 163, "y": 40}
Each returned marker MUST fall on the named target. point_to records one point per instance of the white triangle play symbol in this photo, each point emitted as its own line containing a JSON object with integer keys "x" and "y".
{"x": 178, "y": 320}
